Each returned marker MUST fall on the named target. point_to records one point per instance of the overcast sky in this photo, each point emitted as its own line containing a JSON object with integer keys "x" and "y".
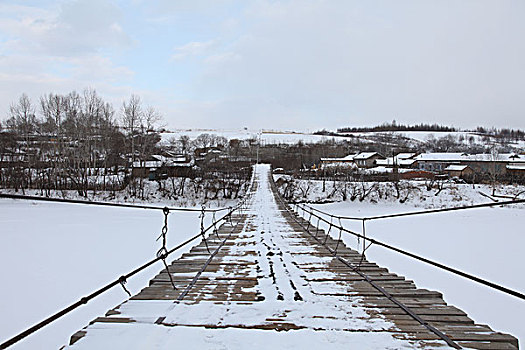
{"x": 289, "y": 65}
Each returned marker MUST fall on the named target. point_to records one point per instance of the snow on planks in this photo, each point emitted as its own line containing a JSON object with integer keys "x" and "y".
{"x": 271, "y": 283}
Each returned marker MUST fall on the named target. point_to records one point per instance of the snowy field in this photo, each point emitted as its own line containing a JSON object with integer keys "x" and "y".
{"x": 285, "y": 137}
{"x": 266, "y": 137}
{"x": 54, "y": 254}
{"x": 487, "y": 242}
{"x": 51, "y": 255}
{"x": 330, "y": 322}
{"x": 467, "y": 138}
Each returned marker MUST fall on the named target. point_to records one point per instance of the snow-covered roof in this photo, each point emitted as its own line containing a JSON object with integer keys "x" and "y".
{"x": 339, "y": 165}
{"x": 179, "y": 164}
{"x": 365, "y": 155}
{"x": 458, "y": 157}
{"x": 456, "y": 167}
{"x": 147, "y": 164}
{"x": 166, "y": 161}
{"x": 516, "y": 166}
{"x": 390, "y": 162}
{"x": 348, "y": 158}
{"x": 405, "y": 155}
{"x": 383, "y": 170}
{"x": 454, "y": 157}
{"x": 159, "y": 157}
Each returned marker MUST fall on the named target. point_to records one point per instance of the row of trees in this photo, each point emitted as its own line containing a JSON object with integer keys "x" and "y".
{"x": 299, "y": 190}
{"x": 394, "y": 126}
{"x": 506, "y": 134}
{"x": 66, "y": 139}
{"x": 79, "y": 141}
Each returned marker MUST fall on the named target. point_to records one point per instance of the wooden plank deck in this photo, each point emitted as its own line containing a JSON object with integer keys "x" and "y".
{"x": 261, "y": 261}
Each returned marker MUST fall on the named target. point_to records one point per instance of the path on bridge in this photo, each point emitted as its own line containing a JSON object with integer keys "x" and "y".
{"x": 270, "y": 283}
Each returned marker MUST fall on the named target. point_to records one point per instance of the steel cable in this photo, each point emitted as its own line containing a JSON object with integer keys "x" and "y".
{"x": 106, "y": 204}
{"x": 420, "y": 212}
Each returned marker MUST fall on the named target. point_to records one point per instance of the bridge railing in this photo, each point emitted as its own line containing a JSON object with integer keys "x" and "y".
{"x": 334, "y": 222}
{"x": 162, "y": 254}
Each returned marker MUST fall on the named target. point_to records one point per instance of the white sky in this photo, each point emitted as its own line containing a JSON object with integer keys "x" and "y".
{"x": 296, "y": 64}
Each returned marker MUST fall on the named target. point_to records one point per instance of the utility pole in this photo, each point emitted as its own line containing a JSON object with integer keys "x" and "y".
{"x": 258, "y": 142}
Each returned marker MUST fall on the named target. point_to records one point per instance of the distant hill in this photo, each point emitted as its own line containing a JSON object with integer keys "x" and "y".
{"x": 398, "y": 127}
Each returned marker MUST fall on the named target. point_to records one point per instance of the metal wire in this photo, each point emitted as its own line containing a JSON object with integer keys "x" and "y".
{"x": 421, "y": 212}
{"x": 106, "y": 204}
{"x": 201, "y": 216}
{"x": 215, "y": 230}
{"x": 430, "y": 262}
{"x": 328, "y": 232}
{"x": 123, "y": 281}
{"x": 212, "y": 255}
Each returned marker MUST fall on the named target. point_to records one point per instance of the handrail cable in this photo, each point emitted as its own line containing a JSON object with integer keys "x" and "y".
{"x": 420, "y": 212}
{"x": 107, "y": 204}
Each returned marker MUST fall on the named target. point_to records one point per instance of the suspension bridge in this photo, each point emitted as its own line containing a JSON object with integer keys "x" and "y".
{"x": 270, "y": 276}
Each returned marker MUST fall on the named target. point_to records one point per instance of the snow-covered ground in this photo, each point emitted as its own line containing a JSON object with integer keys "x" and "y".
{"x": 163, "y": 197}
{"x": 463, "y": 137}
{"x": 488, "y": 243}
{"x": 411, "y": 193}
{"x": 266, "y": 137}
{"x": 51, "y": 255}
{"x": 330, "y": 321}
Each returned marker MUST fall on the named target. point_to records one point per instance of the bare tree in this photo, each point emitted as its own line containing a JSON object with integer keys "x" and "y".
{"x": 109, "y": 138}
{"x": 151, "y": 119}
{"x": 147, "y": 137}
{"x": 203, "y": 141}
{"x": 494, "y": 157}
{"x": 131, "y": 119}
{"x": 22, "y": 117}
{"x": 53, "y": 112}
{"x": 185, "y": 143}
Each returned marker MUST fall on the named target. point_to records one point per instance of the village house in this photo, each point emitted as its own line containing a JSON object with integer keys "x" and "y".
{"x": 367, "y": 159}
{"x": 158, "y": 166}
{"x": 352, "y": 161}
{"x": 458, "y": 170}
{"x": 400, "y": 160}
{"x": 335, "y": 163}
{"x": 496, "y": 164}
{"x": 516, "y": 171}
{"x": 12, "y": 157}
